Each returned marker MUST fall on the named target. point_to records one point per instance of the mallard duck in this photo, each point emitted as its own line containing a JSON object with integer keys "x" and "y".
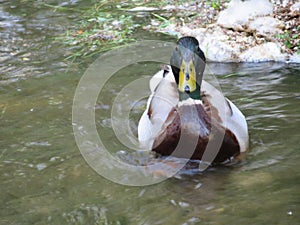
{"x": 187, "y": 117}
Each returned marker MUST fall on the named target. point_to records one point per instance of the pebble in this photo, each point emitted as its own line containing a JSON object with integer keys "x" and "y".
{"x": 41, "y": 166}
{"x": 143, "y": 9}
{"x": 198, "y": 186}
{"x": 172, "y": 201}
{"x": 183, "y": 204}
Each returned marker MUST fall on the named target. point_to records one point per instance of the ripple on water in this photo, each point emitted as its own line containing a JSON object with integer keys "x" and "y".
{"x": 87, "y": 214}
{"x": 41, "y": 185}
{"x": 37, "y": 143}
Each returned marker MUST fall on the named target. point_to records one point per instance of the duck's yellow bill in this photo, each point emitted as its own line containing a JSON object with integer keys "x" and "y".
{"x": 187, "y": 77}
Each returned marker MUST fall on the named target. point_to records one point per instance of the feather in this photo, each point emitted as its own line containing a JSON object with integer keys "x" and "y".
{"x": 164, "y": 97}
{"x": 227, "y": 114}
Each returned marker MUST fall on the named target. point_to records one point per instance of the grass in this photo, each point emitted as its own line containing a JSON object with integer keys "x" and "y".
{"x": 108, "y": 25}
{"x": 100, "y": 29}
{"x": 163, "y": 21}
{"x": 215, "y": 4}
{"x": 290, "y": 40}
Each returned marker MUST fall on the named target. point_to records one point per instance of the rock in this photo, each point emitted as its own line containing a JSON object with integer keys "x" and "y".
{"x": 295, "y": 9}
{"x": 294, "y": 58}
{"x": 285, "y": 2}
{"x": 269, "y": 51}
{"x": 266, "y": 26}
{"x": 143, "y": 9}
{"x": 171, "y": 29}
{"x": 218, "y": 51}
{"x": 238, "y": 13}
{"x": 245, "y": 32}
{"x": 219, "y": 46}
{"x": 216, "y": 45}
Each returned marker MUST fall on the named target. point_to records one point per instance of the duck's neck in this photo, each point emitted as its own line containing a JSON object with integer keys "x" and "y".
{"x": 194, "y": 95}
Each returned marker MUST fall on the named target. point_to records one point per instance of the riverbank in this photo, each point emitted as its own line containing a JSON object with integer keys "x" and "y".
{"x": 236, "y": 31}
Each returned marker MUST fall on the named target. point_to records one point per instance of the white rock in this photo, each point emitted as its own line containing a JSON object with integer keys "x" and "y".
{"x": 186, "y": 30}
{"x": 169, "y": 7}
{"x": 41, "y": 166}
{"x": 266, "y": 26}
{"x": 217, "y": 47}
{"x": 295, "y": 8}
{"x": 222, "y": 45}
{"x": 183, "y": 204}
{"x": 294, "y": 58}
{"x": 269, "y": 51}
{"x": 143, "y": 9}
{"x": 199, "y": 33}
{"x": 238, "y": 14}
{"x": 219, "y": 51}
{"x": 214, "y": 43}
{"x": 284, "y": 3}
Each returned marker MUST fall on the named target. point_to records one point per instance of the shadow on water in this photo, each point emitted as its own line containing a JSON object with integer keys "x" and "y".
{"x": 45, "y": 180}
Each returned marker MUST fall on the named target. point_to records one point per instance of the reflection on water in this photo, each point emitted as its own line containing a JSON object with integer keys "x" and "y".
{"x": 45, "y": 180}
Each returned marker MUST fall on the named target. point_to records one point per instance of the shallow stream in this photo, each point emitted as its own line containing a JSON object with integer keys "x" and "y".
{"x": 45, "y": 180}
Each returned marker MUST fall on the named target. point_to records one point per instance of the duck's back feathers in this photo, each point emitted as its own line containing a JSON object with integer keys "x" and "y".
{"x": 160, "y": 126}
{"x": 226, "y": 114}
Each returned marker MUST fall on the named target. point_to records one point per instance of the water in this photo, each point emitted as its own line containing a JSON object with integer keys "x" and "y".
{"x": 45, "y": 180}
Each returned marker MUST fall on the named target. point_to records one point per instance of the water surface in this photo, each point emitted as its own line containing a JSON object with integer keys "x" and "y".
{"x": 45, "y": 180}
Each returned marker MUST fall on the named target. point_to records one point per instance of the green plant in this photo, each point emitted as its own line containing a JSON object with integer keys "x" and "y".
{"x": 290, "y": 40}
{"x": 216, "y": 4}
{"x": 101, "y": 28}
{"x": 164, "y": 22}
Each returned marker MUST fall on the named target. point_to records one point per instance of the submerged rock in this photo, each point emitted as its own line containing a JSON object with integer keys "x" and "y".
{"x": 295, "y": 58}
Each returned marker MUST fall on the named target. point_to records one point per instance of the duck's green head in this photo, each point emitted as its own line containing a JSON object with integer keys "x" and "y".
{"x": 188, "y": 64}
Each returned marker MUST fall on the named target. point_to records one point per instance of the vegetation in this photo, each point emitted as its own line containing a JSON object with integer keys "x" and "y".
{"x": 99, "y": 30}
{"x": 215, "y": 4}
{"x": 110, "y": 24}
{"x": 290, "y": 40}
{"x": 290, "y": 37}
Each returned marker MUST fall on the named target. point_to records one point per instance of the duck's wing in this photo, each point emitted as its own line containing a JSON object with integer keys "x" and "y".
{"x": 163, "y": 99}
{"x": 226, "y": 114}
